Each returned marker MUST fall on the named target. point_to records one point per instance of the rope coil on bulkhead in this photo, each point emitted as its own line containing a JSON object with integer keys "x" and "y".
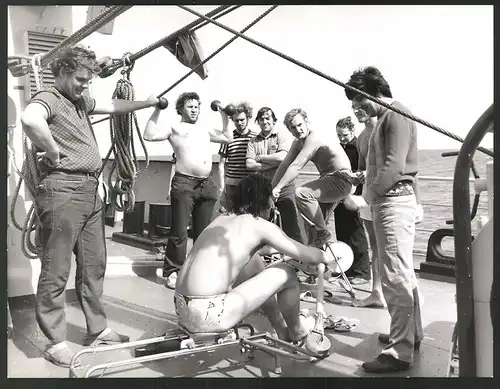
{"x": 125, "y": 167}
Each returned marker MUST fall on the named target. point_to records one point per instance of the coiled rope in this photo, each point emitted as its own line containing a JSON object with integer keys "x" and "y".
{"x": 125, "y": 167}
{"x": 335, "y": 81}
{"x": 31, "y": 176}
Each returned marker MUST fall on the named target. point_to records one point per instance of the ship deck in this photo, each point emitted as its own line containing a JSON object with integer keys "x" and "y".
{"x": 138, "y": 304}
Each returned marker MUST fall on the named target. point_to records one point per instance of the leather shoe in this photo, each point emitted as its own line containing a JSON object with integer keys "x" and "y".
{"x": 384, "y": 339}
{"x": 385, "y": 364}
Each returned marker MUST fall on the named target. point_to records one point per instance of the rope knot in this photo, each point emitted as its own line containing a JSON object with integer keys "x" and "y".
{"x": 128, "y": 65}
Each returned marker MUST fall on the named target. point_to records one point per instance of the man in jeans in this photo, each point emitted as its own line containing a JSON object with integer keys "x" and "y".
{"x": 264, "y": 154}
{"x": 70, "y": 210}
{"x": 193, "y": 193}
{"x": 317, "y": 199}
{"x": 391, "y": 170}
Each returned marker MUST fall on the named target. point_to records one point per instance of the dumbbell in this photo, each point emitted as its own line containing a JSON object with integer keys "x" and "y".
{"x": 162, "y": 104}
{"x": 229, "y": 110}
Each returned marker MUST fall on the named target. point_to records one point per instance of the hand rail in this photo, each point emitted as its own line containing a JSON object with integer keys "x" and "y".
{"x": 463, "y": 244}
{"x": 422, "y": 178}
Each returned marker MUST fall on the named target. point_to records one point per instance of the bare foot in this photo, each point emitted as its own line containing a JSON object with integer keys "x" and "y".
{"x": 373, "y": 300}
{"x": 306, "y": 326}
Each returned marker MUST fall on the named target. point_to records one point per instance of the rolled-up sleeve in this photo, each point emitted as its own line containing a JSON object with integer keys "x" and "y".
{"x": 251, "y": 149}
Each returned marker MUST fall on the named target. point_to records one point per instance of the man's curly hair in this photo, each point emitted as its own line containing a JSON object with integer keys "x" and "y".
{"x": 72, "y": 58}
{"x": 252, "y": 195}
{"x": 346, "y": 123}
{"x": 370, "y": 81}
{"x": 243, "y": 107}
{"x": 183, "y": 97}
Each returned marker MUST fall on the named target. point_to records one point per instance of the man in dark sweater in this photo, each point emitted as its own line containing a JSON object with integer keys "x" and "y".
{"x": 348, "y": 225}
{"x": 392, "y": 166}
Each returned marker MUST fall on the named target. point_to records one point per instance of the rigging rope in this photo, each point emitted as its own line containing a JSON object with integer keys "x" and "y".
{"x": 125, "y": 167}
{"x": 161, "y": 42}
{"x": 335, "y": 81}
{"x": 216, "y": 51}
{"x": 153, "y": 46}
{"x": 225, "y": 12}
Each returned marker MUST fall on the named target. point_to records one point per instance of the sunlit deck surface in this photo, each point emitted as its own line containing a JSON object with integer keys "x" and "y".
{"x": 140, "y": 306}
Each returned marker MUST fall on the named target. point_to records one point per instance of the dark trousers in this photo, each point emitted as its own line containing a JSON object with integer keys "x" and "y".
{"x": 72, "y": 221}
{"x": 349, "y": 229}
{"x": 227, "y": 197}
{"x": 289, "y": 213}
{"x": 190, "y": 198}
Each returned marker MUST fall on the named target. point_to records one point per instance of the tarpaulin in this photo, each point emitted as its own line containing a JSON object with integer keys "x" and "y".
{"x": 187, "y": 49}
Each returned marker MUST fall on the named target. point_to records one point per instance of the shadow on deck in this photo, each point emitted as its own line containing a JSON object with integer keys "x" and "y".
{"x": 143, "y": 308}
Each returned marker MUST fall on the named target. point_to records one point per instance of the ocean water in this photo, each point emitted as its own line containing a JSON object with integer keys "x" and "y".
{"x": 436, "y": 196}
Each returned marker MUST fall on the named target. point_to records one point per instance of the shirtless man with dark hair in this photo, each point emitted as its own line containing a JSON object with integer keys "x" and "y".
{"x": 224, "y": 279}
{"x": 193, "y": 193}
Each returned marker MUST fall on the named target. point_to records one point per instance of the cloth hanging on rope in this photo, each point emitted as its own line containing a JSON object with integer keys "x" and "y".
{"x": 188, "y": 51}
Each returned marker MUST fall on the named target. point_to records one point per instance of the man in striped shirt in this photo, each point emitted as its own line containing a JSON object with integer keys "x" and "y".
{"x": 232, "y": 165}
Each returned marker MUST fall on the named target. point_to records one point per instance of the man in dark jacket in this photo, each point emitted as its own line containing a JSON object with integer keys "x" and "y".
{"x": 348, "y": 225}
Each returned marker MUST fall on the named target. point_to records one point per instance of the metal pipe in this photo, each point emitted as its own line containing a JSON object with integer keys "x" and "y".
{"x": 423, "y": 178}
{"x": 272, "y": 350}
{"x": 145, "y": 342}
{"x": 167, "y": 355}
{"x": 463, "y": 243}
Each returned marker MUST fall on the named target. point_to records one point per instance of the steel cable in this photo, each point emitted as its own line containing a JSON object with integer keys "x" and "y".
{"x": 335, "y": 81}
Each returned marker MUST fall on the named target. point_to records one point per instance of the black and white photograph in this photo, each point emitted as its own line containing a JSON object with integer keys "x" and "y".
{"x": 250, "y": 191}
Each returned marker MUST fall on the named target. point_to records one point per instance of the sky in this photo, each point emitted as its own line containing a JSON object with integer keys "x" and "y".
{"x": 438, "y": 61}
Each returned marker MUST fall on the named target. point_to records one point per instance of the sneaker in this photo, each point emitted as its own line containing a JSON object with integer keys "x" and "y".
{"x": 60, "y": 354}
{"x": 321, "y": 237}
{"x": 108, "y": 336}
{"x": 172, "y": 280}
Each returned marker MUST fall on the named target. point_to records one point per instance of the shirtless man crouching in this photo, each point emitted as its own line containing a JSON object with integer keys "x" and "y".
{"x": 192, "y": 194}
{"x": 317, "y": 199}
{"x": 224, "y": 278}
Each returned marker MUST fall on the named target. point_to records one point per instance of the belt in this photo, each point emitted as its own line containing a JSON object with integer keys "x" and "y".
{"x": 192, "y": 177}
{"x": 401, "y": 188}
{"x": 76, "y": 173}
